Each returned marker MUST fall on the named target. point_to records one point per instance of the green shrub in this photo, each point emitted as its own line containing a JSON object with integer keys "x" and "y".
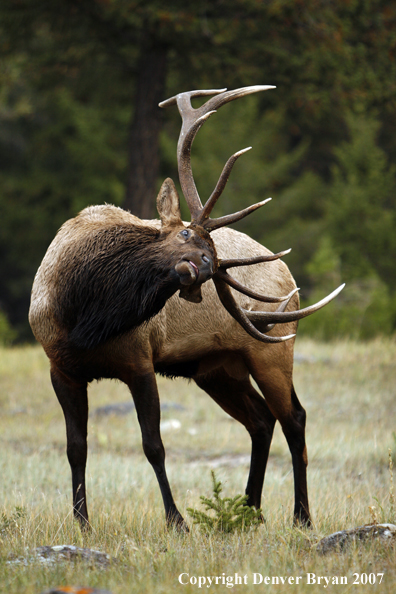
{"x": 230, "y": 513}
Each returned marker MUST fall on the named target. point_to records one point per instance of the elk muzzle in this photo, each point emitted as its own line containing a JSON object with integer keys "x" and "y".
{"x": 193, "y": 271}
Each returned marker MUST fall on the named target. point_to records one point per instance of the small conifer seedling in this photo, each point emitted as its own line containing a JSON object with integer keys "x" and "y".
{"x": 230, "y": 513}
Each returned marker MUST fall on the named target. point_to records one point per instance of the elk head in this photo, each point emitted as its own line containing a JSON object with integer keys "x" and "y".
{"x": 201, "y": 223}
{"x": 198, "y": 261}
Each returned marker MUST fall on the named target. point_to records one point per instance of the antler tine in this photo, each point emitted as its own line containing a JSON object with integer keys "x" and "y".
{"x": 217, "y": 192}
{"x": 224, "y": 264}
{"x": 227, "y": 96}
{"x": 192, "y": 120}
{"x": 200, "y": 93}
{"x": 183, "y": 100}
{"x": 211, "y": 224}
{"x": 232, "y": 282}
{"x": 279, "y": 317}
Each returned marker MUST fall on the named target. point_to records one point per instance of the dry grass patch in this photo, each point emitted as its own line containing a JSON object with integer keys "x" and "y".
{"x": 348, "y": 390}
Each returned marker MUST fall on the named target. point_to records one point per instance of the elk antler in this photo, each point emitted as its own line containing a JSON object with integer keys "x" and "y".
{"x": 192, "y": 120}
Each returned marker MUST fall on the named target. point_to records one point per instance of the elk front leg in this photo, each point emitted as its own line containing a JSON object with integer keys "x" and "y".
{"x": 73, "y": 399}
{"x": 145, "y": 394}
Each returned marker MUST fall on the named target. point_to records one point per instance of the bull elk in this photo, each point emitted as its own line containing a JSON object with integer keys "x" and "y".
{"x": 104, "y": 305}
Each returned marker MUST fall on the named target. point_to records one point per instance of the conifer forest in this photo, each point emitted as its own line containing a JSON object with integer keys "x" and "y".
{"x": 80, "y": 125}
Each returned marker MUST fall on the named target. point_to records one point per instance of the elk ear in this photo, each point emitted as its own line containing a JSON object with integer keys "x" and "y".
{"x": 168, "y": 204}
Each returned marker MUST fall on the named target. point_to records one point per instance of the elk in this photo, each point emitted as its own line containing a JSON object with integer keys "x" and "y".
{"x": 104, "y": 304}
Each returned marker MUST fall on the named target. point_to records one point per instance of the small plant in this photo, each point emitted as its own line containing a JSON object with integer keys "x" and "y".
{"x": 230, "y": 513}
{"x": 8, "y": 523}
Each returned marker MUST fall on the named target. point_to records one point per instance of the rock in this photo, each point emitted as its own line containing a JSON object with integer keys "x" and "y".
{"x": 48, "y": 555}
{"x": 339, "y": 540}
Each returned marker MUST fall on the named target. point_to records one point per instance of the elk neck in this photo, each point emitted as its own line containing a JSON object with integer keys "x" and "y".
{"x": 119, "y": 279}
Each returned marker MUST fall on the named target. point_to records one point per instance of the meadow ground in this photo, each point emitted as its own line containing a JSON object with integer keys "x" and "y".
{"x": 349, "y": 392}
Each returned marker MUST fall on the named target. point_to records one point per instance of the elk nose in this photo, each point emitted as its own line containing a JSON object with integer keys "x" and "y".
{"x": 208, "y": 262}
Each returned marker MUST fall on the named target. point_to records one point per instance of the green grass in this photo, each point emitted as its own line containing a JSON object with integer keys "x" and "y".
{"x": 348, "y": 390}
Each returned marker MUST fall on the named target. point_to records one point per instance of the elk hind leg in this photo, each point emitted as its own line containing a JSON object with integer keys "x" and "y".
{"x": 295, "y": 436}
{"x": 282, "y": 400}
{"x": 242, "y": 402}
{"x": 73, "y": 399}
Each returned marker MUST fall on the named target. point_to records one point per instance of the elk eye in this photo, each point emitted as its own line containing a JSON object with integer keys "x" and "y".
{"x": 185, "y": 233}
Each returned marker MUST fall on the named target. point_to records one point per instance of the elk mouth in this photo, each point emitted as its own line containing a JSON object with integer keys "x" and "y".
{"x": 188, "y": 272}
{"x": 195, "y": 269}
{"x": 191, "y": 278}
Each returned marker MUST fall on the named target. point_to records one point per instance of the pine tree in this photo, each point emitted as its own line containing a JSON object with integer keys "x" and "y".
{"x": 230, "y": 513}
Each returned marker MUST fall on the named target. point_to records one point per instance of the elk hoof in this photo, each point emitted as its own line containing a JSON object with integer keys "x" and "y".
{"x": 83, "y": 523}
{"x": 302, "y": 520}
{"x": 177, "y": 522}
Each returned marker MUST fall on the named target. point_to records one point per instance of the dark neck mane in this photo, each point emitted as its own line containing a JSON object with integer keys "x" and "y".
{"x": 117, "y": 279}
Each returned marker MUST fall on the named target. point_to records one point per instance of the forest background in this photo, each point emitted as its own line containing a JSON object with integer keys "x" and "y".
{"x": 79, "y": 124}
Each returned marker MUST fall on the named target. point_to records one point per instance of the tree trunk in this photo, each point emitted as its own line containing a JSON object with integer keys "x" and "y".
{"x": 143, "y": 144}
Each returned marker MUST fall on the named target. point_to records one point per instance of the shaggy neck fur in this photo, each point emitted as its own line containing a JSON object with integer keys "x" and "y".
{"x": 116, "y": 279}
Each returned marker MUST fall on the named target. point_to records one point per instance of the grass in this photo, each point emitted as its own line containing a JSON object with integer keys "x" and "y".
{"x": 348, "y": 390}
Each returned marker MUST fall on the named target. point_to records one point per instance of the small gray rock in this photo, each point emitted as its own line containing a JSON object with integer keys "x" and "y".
{"x": 50, "y": 555}
{"x": 340, "y": 540}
